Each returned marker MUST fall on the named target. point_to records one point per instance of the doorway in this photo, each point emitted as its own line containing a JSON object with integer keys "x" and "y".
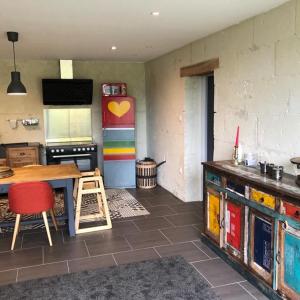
{"x": 210, "y": 103}
{"x": 198, "y": 132}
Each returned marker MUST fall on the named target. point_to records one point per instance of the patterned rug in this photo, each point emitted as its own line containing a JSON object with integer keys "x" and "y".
{"x": 120, "y": 202}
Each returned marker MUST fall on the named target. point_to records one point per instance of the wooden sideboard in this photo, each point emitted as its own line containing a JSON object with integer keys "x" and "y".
{"x": 19, "y": 156}
{"x": 253, "y": 223}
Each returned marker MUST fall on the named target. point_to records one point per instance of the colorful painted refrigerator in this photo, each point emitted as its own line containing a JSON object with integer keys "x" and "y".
{"x": 118, "y": 123}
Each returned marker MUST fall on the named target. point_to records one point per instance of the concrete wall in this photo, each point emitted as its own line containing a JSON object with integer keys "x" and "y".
{"x": 256, "y": 87}
{"x": 32, "y": 71}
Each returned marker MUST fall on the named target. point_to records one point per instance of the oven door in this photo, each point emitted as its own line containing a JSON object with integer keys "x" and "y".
{"x": 84, "y": 162}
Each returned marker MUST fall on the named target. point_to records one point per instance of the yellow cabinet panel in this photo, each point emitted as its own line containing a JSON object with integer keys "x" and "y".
{"x": 263, "y": 198}
{"x": 214, "y": 214}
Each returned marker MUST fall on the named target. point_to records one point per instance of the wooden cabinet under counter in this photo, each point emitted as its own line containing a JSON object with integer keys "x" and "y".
{"x": 22, "y": 156}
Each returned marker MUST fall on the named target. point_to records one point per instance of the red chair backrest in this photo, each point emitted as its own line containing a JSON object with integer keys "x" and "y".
{"x": 30, "y": 197}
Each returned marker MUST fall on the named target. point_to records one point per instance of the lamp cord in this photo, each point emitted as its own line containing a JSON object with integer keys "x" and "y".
{"x": 14, "y": 56}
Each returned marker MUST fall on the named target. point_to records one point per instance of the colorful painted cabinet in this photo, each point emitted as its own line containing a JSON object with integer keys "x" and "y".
{"x": 289, "y": 264}
{"x": 233, "y": 228}
{"x": 261, "y": 241}
{"x": 214, "y": 211}
{"x": 254, "y": 226}
{"x": 118, "y": 123}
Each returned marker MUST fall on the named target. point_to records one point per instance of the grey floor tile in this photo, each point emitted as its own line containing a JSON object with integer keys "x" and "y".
{"x": 146, "y": 239}
{"x": 42, "y": 271}
{"x": 206, "y": 249}
{"x": 191, "y": 207}
{"x": 90, "y": 263}
{"x": 165, "y": 199}
{"x": 160, "y": 210}
{"x": 41, "y": 239}
{"x": 81, "y": 237}
{"x": 121, "y": 228}
{"x": 135, "y": 256}
{"x": 218, "y": 272}
{"x": 5, "y": 243}
{"x": 254, "y": 291}
{"x": 182, "y": 234}
{"x": 153, "y": 223}
{"x": 108, "y": 244}
{"x": 21, "y": 258}
{"x": 188, "y": 250}
{"x": 64, "y": 252}
{"x": 184, "y": 219}
{"x": 232, "y": 292}
{"x": 8, "y": 277}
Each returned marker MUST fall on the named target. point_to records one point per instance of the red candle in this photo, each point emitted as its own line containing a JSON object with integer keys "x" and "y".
{"x": 237, "y": 137}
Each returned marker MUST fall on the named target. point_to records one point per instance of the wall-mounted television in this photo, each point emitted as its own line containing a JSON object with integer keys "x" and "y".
{"x": 67, "y": 91}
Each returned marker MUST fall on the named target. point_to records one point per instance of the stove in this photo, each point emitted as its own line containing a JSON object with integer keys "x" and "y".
{"x": 83, "y": 154}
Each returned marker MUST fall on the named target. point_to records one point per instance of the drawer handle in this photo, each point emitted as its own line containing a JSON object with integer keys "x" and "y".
{"x": 278, "y": 256}
{"x": 297, "y": 214}
{"x": 222, "y": 223}
{"x": 261, "y": 200}
{"x": 22, "y": 153}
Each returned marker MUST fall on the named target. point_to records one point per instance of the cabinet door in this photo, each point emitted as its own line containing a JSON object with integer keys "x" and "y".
{"x": 261, "y": 259}
{"x": 289, "y": 267}
{"x": 214, "y": 214}
{"x": 118, "y": 112}
{"x": 233, "y": 227}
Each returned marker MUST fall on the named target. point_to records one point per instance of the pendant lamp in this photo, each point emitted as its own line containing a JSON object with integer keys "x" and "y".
{"x": 15, "y": 87}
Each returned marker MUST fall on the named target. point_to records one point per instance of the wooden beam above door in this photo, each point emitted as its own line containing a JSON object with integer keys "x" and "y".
{"x": 199, "y": 69}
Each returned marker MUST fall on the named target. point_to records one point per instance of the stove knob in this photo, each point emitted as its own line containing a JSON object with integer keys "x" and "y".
{"x": 92, "y": 148}
{"x": 62, "y": 150}
{"x": 57, "y": 150}
{"x": 52, "y": 151}
{"x": 78, "y": 149}
{"x": 74, "y": 149}
{"x": 88, "y": 149}
{"x": 83, "y": 149}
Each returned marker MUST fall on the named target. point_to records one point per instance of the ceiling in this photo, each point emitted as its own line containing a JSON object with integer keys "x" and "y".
{"x": 87, "y": 29}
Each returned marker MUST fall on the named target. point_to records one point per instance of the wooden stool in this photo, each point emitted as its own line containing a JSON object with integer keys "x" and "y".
{"x": 91, "y": 183}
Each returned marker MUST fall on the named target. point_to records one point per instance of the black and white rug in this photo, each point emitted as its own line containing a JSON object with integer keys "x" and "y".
{"x": 120, "y": 202}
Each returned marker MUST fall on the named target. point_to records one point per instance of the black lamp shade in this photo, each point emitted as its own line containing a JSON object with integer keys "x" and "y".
{"x": 16, "y": 87}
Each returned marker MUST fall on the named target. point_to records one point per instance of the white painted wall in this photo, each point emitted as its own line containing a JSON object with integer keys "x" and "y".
{"x": 257, "y": 87}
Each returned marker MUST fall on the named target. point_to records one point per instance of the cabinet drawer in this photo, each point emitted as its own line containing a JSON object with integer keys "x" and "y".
{"x": 291, "y": 210}
{"x": 211, "y": 177}
{"x": 263, "y": 198}
{"x": 28, "y": 152}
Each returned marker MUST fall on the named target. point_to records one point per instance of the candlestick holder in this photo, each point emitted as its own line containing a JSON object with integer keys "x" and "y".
{"x": 235, "y": 155}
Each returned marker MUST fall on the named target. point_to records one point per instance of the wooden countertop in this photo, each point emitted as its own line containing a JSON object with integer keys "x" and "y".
{"x": 42, "y": 173}
{"x": 284, "y": 188}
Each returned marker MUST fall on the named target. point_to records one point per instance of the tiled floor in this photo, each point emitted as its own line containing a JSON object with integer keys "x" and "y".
{"x": 172, "y": 228}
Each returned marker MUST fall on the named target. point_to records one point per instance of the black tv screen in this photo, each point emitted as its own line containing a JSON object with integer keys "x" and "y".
{"x": 67, "y": 91}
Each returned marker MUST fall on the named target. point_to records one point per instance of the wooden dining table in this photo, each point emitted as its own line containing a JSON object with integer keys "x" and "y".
{"x": 58, "y": 176}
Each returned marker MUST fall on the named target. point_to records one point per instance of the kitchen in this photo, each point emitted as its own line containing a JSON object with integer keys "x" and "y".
{"x": 253, "y": 60}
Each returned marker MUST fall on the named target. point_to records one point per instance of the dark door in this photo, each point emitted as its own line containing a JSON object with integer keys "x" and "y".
{"x": 210, "y": 116}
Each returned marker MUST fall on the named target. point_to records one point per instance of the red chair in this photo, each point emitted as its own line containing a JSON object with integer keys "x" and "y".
{"x": 31, "y": 198}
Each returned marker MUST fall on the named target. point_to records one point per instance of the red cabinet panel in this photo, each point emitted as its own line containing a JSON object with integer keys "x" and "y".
{"x": 233, "y": 228}
{"x": 118, "y": 112}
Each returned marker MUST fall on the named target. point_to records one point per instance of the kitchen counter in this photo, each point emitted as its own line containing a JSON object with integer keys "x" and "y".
{"x": 285, "y": 187}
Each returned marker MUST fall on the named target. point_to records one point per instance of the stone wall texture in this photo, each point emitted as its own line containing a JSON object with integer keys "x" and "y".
{"x": 257, "y": 86}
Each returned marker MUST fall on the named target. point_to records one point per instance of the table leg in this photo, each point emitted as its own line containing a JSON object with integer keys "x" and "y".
{"x": 69, "y": 206}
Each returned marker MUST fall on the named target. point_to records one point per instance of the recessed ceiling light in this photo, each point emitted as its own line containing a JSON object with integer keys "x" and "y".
{"x": 155, "y": 13}
{"x": 114, "y": 48}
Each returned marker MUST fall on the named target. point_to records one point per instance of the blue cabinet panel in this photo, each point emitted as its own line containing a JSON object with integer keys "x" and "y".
{"x": 263, "y": 243}
{"x": 119, "y": 174}
{"x": 292, "y": 261}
